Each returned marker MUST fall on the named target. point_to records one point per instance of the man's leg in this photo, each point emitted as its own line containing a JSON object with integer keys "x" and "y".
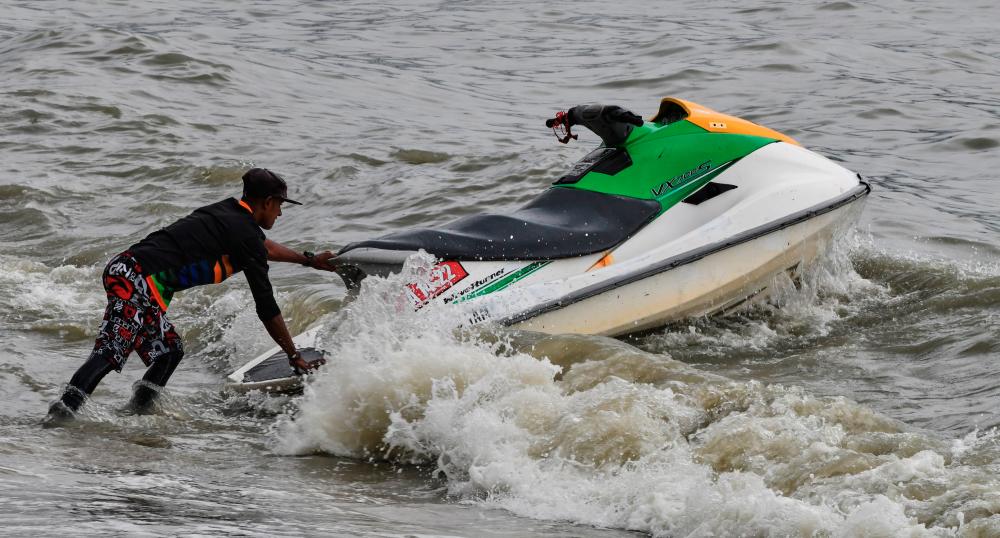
{"x": 110, "y": 351}
{"x": 115, "y": 339}
{"x": 162, "y": 350}
{"x": 157, "y": 375}
{"x": 83, "y": 383}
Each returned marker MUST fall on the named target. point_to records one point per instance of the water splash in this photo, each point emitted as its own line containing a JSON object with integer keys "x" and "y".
{"x": 798, "y": 312}
{"x": 596, "y": 431}
{"x": 37, "y": 297}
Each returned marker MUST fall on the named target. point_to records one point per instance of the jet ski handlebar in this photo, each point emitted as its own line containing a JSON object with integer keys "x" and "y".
{"x": 610, "y": 122}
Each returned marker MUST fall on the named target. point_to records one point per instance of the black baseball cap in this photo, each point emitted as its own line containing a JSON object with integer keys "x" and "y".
{"x": 259, "y": 183}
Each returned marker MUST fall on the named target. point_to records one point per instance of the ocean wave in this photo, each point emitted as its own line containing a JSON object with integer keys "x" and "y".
{"x": 620, "y": 437}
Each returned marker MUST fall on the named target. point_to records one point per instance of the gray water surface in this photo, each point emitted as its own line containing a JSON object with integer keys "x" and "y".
{"x": 863, "y": 404}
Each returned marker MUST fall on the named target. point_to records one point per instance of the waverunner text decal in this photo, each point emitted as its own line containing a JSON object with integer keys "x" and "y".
{"x": 679, "y": 180}
{"x": 475, "y": 285}
{"x": 499, "y": 284}
{"x": 443, "y": 276}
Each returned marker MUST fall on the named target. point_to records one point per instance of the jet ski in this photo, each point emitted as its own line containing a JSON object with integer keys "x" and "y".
{"x": 688, "y": 213}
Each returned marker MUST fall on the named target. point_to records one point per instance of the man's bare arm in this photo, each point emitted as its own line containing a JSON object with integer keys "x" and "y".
{"x": 276, "y": 252}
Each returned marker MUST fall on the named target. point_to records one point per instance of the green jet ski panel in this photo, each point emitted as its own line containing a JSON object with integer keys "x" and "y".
{"x": 670, "y": 161}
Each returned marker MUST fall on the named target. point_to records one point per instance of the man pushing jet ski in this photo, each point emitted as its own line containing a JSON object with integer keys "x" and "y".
{"x": 206, "y": 247}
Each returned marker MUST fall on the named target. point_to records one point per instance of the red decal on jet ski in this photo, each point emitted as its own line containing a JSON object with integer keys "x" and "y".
{"x": 443, "y": 276}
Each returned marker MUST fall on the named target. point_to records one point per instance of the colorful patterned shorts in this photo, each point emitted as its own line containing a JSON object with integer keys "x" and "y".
{"x": 132, "y": 320}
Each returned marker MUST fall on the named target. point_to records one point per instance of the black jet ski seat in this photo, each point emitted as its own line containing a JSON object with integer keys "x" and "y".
{"x": 561, "y": 223}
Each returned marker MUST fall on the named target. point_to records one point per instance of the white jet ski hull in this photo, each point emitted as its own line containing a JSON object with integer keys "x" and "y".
{"x": 717, "y": 282}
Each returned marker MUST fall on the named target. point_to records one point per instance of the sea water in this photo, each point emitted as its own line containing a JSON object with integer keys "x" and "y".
{"x": 861, "y": 401}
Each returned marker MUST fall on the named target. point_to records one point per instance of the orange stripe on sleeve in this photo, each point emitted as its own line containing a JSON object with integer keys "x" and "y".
{"x": 155, "y": 291}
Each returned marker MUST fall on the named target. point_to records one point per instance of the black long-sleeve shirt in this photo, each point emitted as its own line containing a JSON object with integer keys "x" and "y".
{"x": 208, "y": 246}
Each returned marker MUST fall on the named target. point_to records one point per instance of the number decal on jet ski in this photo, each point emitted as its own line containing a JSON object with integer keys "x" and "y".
{"x": 443, "y": 276}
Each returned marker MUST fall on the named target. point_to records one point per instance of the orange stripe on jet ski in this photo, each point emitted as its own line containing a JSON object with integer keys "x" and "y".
{"x": 228, "y": 266}
{"x": 218, "y": 272}
{"x": 607, "y": 260}
{"x": 717, "y": 122}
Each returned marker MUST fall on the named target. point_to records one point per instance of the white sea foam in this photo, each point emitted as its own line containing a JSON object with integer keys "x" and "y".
{"x": 621, "y": 438}
{"x": 35, "y": 288}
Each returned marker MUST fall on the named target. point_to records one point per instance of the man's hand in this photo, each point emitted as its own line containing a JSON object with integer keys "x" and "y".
{"x": 279, "y": 332}
{"x": 300, "y": 366}
{"x": 324, "y": 261}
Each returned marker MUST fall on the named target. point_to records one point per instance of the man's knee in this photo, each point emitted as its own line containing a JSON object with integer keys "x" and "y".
{"x": 163, "y": 367}
{"x": 91, "y": 372}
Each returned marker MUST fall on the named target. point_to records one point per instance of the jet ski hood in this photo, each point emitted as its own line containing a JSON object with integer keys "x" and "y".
{"x": 641, "y": 169}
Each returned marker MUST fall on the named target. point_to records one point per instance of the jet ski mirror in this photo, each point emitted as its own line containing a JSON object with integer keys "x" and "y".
{"x": 561, "y": 127}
